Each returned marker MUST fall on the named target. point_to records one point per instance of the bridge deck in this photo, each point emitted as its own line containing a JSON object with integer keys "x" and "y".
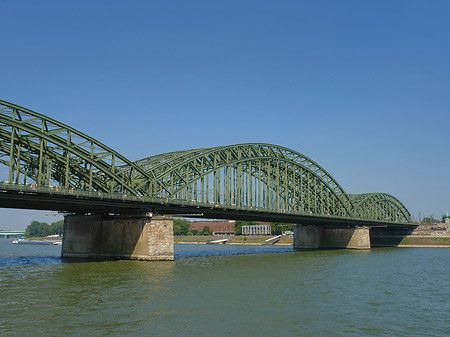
{"x": 79, "y": 201}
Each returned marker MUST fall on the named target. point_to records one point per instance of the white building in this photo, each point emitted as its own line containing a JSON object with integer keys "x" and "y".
{"x": 257, "y": 230}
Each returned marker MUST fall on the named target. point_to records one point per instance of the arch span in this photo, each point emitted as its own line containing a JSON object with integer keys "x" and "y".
{"x": 249, "y": 175}
{"x": 380, "y": 206}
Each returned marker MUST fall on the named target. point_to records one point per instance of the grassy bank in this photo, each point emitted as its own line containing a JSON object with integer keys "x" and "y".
{"x": 425, "y": 241}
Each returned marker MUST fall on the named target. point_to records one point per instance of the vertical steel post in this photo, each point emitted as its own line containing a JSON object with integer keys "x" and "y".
{"x": 90, "y": 169}
{"x": 41, "y": 155}
{"x": 67, "y": 168}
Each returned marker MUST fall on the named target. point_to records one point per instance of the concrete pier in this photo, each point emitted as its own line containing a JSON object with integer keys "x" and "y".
{"x": 316, "y": 237}
{"x": 118, "y": 237}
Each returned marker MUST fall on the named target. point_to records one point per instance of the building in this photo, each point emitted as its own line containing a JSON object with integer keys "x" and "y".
{"x": 216, "y": 227}
{"x": 264, "y": 228}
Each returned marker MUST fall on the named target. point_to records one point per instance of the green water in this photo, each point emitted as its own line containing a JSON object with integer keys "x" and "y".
{"x": 227, "y": 291}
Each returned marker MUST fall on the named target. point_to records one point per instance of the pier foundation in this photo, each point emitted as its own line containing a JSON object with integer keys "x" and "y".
{"x": 317, "y": 237}
{"x": 118, "y": 237}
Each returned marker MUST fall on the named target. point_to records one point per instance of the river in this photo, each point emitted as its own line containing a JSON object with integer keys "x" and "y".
{"x": 225, "y": 290}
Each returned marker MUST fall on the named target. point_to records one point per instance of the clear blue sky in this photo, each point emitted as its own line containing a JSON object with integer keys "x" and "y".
{"x": 361, "y": 87}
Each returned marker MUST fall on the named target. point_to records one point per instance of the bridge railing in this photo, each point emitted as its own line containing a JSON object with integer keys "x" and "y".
{"x": 30, "y": 188}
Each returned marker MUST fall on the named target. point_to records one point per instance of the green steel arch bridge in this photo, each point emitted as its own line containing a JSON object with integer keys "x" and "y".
{"x": 52, "y": 166}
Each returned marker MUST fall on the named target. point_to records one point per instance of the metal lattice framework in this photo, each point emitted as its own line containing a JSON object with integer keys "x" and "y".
{"x": 380, "y": 206}
{"x": 46, "y": 151}
{"x": 247, "y": 176}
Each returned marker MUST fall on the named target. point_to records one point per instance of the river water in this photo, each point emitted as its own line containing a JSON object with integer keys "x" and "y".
{"x": 225, "y": 290}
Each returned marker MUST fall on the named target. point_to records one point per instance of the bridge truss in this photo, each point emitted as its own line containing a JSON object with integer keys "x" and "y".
{"x": 44, "y": 152}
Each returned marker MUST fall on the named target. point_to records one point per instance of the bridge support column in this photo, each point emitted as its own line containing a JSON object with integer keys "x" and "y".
{"x": 118, "y": 237}
{"x": 317, "y": 237}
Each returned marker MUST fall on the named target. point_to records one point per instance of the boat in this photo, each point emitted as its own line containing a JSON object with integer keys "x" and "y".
{"x": 33, "y": 242}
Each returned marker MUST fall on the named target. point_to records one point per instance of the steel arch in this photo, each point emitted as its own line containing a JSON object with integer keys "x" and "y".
{"x": 380, "y": 206}
{"x": 292, "y": 181}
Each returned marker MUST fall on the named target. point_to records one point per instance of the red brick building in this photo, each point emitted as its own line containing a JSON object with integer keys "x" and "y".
{"x": 226, "y": 227}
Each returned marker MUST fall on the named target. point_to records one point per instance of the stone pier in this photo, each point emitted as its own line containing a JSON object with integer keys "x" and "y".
{"x": 118, "y": 237}
{"x": 317, "y": 237}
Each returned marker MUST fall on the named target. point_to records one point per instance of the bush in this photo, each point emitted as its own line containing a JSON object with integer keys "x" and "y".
{"x": 180, "y": 227}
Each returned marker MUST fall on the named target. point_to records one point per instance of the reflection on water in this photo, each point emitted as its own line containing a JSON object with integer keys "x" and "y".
{"x": 227, "y": 290}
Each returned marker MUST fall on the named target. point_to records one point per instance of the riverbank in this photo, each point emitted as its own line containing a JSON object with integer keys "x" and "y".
{"x": 411, "y": 241}
{"x": 425, "y": 241}
{"x": 233, "y": 240}
{"x": 45, "y": 238}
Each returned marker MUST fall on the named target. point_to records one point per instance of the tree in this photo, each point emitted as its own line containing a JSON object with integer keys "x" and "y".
{"x": 41, "y": 229}
{"x": 180, "y": 227}
{"x": 37, "y": 229}
{"x": 56, "y": 228}
{"x": 279, "y": 228}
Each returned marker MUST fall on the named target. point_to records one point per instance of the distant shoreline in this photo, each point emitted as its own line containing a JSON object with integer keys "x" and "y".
{"x": 410, "y": 241}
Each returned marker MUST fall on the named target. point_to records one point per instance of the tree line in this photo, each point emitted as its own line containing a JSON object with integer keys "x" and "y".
{"x": 42, "y": 229}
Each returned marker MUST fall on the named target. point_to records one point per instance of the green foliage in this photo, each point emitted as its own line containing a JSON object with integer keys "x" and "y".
{"x": 57, "y": 227}
{"x": 238, "y": 226}
{"x": 37, "y": 229}
{"x": 41, "y": 229}
{"x": 279, "y": 228}
{"x": 180, "y": 227}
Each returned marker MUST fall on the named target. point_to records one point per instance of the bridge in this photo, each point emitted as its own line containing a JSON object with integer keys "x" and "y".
{"x": 52, "y": 166}
{"x": 11, "y": 234}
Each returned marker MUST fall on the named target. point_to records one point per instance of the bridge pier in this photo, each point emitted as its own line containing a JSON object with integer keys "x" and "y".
{"x": 317, "y": 237}
{"x": 118, "y": 237}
